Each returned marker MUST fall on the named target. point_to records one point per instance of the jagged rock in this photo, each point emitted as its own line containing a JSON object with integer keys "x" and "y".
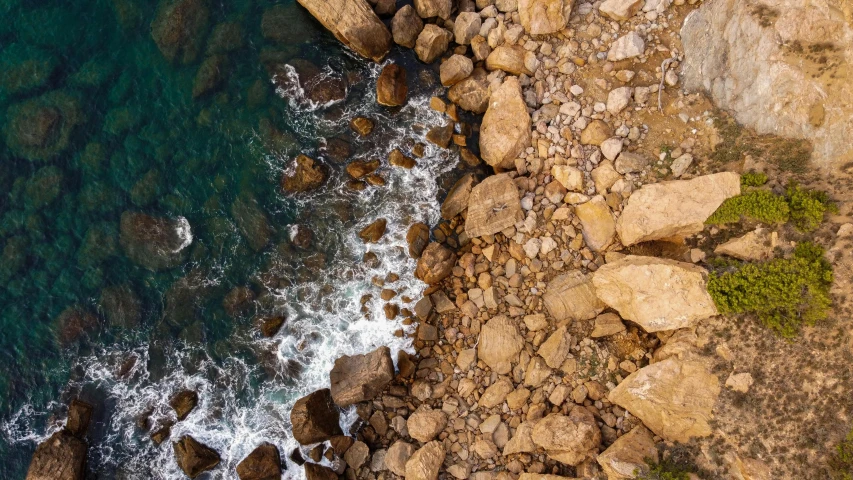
{"x": 315, "y": 418}
{"x": 179, "y": 29}
{"x": 417, "y": 237}
{"x": 455, "y": 69}
{"x": 425, "y": 462}
{"x": 555, "y": 350}
{"x": 425, "y": 423}
{"x": 373, "y": 232}
{"x": 597, "y": 223}
{"x": 432, "y": 43}
{"x": 509, "y": 58}
{"x": 60, "y": 457}
{"x": 319, "y": 472}
{"x": 739, "y": 382}
{"x": 625, "y": 47}
{"x": 673, "y": 209}
{"x": 434, "y": 8}
{"x": 354, "y": 23}
{"x": 466, "y": 27}
{"x": 607, "y": 324}
{"x": 362, "y": 126}
{"x": 658, "y": 294}
{"x": 305, "y": 175}
{"x": 183, "y": 403}
{"x": 673, "y": 398}
{"x": 499, "y": 344}
{"x": 397, "y": 159}
{"x": 496, "y": 393}
{"x": 572, "y": 296}
{"x": 628, "y": 162}
{"x": 441, "y": 135}
{"x": 271, "y": 325}
{"x": 391, "y": 87}
{"x": 361, "y": 168}
{"x": 155, "y": 243}
{"x": 361, "y": 377}
{"x": 756, "y": 246}
{"x": 397, "y": 456}
{"x": 472, "y": 93}
{"x": 629, "y": 454}
{"x": 79, "y": 417}
{"x": 569, "y": 439}
{"x": 435, "y": 264}
{"x": 264, "y": 463}
{"x": 522, "y": 441}
{"x": 457, "y": 198}
{"x": 193, "y": 457}
{"x": 356, "y": 455}
{"x": 315, "y": 84}
{"x": 406, "y": 26}
{"x": 544, "y": 17}
{"x": 620, "y": 9}
{"x": 571, "y": 178}
{"x": 505, "y": 131}
{"x": 596, "y": 133}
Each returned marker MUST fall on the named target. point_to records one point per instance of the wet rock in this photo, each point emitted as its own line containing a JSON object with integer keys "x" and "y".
{"x": 354, "y": 23}
{"x": 41, "y": 128}
{"x": 499, "y": 344}
{"x": 362, "y": 126}
{"x": 193, "y": 457}
{"x": 315, "y": 418}
{"x": 252, "y": 221}
{"x": 155, "y": 243}
{"x": 238, "y": 301}
{"x": 435, "y": 264}
{"x": 74, "y": 322}
{"x": 505, "y": 131}
{"x": 432, "y": 42}
{"x": 162, "y": 434}
{"x": 510, "y": 59}
{"x": 179, "y": 29}
{"x": 183, "y": 403}
{"x": 493, "y": 205}
{"x": 361, "y": 168}
{"x": 597, "y": 223}
{"x": 441, "y": 135}
{"x": 336, "y": 149}
{"x": 120, "y": 306}
{"x": 79, "y": 417}
{"x": 316, "y": 85}
{"x": 397, "y": 456}
{"x": 425, "y": 423}
{"x": 406, "y": 26}
{"x": 264, "y": 463}
{"x": 361, "y": 377}
{"x": 572, "y": 296}
{"x": 397, "y": 159}
{"x": 434, "y": 8}
{"x": 472, "y": 93}
{"x": 210, "y": 75}
{"x": 544, "y": 17}
{"x": 425, "y": 463}
{"x": 60, "y": 457}
{"x": 455, "y": 69}
{"x": 186, "y": 298}
{"x": 226, "y": 37}
{"x": 650, "y": 212}
{"x": 673, "y": 398}
{"x": 391, "y": 87}
{"x": 43, "y": 187}
{"x": 373, "y": 232}
{"x": 569, "y": 439}
{"x": 271, "y": 325}
{"x": 305, "y": 175}
{"x": 287, "y": 24}
{"x": 319, "y": 472}
{"x": 457, "y": 198}
{"x": 629, "y": 454}
{"x": 417, "y": 237}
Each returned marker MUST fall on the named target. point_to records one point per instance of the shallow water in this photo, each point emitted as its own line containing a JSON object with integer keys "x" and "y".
{"x": 132, "y": 138}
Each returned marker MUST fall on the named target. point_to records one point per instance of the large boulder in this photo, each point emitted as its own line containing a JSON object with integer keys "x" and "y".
{"x": 493, "y": 206}
{"x": 656, "y": 293}
{"x": 569, "y": 439}
{"x": 179, "y": 29}
{"x": 155, "y": 243}
{"x": 354, "y": 23}
{"x": 315, "y": 418}
{"x": 455, "y": 69}
{"x": 391, "y": 87}
{"x": 472, "y": 93}
{"x": 673, "y": 398}
{"x": 572, "y": 296}
{"x": 41, "y": 128}
{"x": 510, "y": 59}
{"x": 264, "y": 463}
{"x": 435, "y": 264}
{"x": 60, "y": 457}
{"x": 674, "y": 209}
{"x": 406, "y": 26}
{"x": 629, "y": 454}
{"x": 305, "y": 175}
{"x": 359, "y": 378}
{"x": 425, "y": 462}
{"x": 543, "y": 17}
{"x": 597, "y": 223}
{"x": 432, "y": 43}
{"x": 762, "y": 68}
{"x": 183, "y": 403}
{"x": 417, "y": 237}
{"x": 194, "y": 457}
{"x": 505, "y": 131}
{"x": 315, "y": 471}
{"x": 500, "y": 344}
{"x": 425, "y": 423}
{"x": 457, "y": 198}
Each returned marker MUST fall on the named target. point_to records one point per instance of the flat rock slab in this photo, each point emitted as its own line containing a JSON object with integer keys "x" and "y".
{"x": 359, "y": 378}
{"x": 60, "y": 457}
{"x": 572, "y": 296}
{"x": 493, "y": 205}
{"x": 354, "y": 23}
{"x": 499, "y": 344}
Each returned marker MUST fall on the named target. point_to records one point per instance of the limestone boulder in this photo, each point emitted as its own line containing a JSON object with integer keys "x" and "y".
{"x": 472, "y": 93}
{"x": 556, "y": 348}
{"x": 522, "y": 440}
{"x": 432, "y": 43}
{"x": 455, "y": 69}
{"x": 466, "y": 27}
{"x": 315, "y": 418}
{"x": 434, "y": 8}
{"x": 264, "y": 463}
{"x": 510, "y": 59}
{"x": 391, "y": 87}
{"x": 492, "y": 206}
{"x": 544, "y": 17}
{"x": 628, "y": 454}
{"x": 435, "y": 264}
{"x": 569, "y": 439}
{"x": 458, "y": 196}
{"x": 620, "y": 9}
{"x": 572, "y": 296}
{"x": 425, "y": 462}
{"x": 754, "y": 246}
{"x": 500, "y": 344}
{"x": 406, "y": 26}
{"x": 674, "y": 398}
{"x": 194, "y": 457}
{"x": 656, "y": 293}
{"x": 425, "y": 423}
{"x": 672, "y": 209}
{"x": 505, "y": 131}
{"x": 597, "y": 223}
{"x": 354, "y": 23}
{"x": 359, "y": 378}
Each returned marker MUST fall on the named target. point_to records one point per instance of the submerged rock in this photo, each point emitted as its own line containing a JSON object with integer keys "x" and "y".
{"x": 155, "y": 243}
{"x": 179, "y": 29}
{"x": 264, "y": 463}
{"x": 457, "y": 198}
{"x": 354, "y": 23}
{"x": 41, "y": 128}
{"x": 305, "y": 175}
{"x": 121, "y": 306}
{"x": 252, "y": 221}
{"x": 194, "y": 457}
{"x": 315, "y": 418}
{"x": 391, "y": 87}
{"x": 358, "y": 378}
{"x": 74, "y": 322}
{"x": 505, "y": 131}
{"x": 271, "y": 325}
{"x": 210, "y": 75}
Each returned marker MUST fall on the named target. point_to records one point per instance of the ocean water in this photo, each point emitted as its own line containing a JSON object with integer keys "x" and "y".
{"x": 96, "y": 122}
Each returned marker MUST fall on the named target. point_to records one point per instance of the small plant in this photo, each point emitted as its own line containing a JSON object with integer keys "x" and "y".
{"x": 663, "y": 470}
{"x": 841, "y": 465}
{"x": 783, "y": 293}
{"x": 808, "y": 207}
{"x": 760, "y": 205}
{"x": 753, "y": 179}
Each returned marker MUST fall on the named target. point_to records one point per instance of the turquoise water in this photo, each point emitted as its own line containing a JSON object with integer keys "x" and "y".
{"x": 98, "y": 121}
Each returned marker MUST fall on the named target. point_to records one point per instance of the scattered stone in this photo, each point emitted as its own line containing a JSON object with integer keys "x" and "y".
{"x": 432, "y": 43}
{"x": 406, "y": 26}
{"x": 425, "y": 423}
{"x": 397, "y": 456}
{"x": 193, "y": 457}
{"x": 509, "y": 58}
{"x": 555, "y": 350}
{"x": 455, "y": 69}
{"x": 596, "y": 133}
{"x": 505, "y": 130}
{"x": 611, "y": 148}
{"x": 441, "y": 135}
{"x": 618, "y": 99}
{"x": 630, "y": 163}
{"x": 522, "y": 441}
{"x": 315, "y": 418}
{"x": 435, "y": 264}
{"x": 183, "y": 403}
{"x": 472, "y": 93}
{"x": 597, "y": 223}
{"x": 625, "y": 47}
{"x": 499, "y": 344}
{"x": 571, "y": 178}
{"x": 739, "y": 382}
{"x": 391, "y": 87}
{"x": 359, "y": 378}
{"x": 681, "y": 164}
{"x": 607, "y": 324}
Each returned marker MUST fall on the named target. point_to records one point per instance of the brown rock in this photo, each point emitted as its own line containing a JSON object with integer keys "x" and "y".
{"x": 556, "y": 348}
{"x": 569, "y": 439}
{"x": 595, "y": 133}
{"x": 397, "y": 456}
{"x": 406, "y": 26}
{"x": 238, "y": 301}
{"x": 79, "y": 416}
{"x": 435, "y": 264}
{"x": 155, "y": 243}
{"x": 356, "y": 455}
{"x": 505, "y": 131}
{"x": 193, "y": 457}
{"x": 362, "y": 126}
{"x": 319, "y": 472}
{"x": 509, "y": 58}
{"x": 417, "y": 237}
{"x": 60, "y": 457}
{"x": 391, "y": 87}
{"x": 308, "y": 175}
{"x": 455, "y": 69}
{"x": 432, "y": 43}
{"x": 373, "y": 232}
{"x": 425, "y": 463}
{"x": 354, "y": 23}
{"x": 360, "y": 168}
{"x": 183, "y": 403}
{"x": 425, "y": 423}
{"x": 397, "y": 159}
{"x": 264, "y": 463}
{"x": 572, "y": 296}
{"x": 472, "y": 93}
{"x": 271, "y": 325}
{"x": 493, "y": 205}
{"x": 522, "y": 441}
{"x": 315, "y": 418}
{"x": 499, "y": 344}
{"x": 457, "y": 198}
{"x": 179, "y": 29}
{"x": 361, "y": 377}
{"x": 441, "y": 135}
{"x": 434, "y": 8}
{"x": 597, "y": 223}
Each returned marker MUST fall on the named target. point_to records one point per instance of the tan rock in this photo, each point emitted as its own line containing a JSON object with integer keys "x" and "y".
{"x": 406, "y": 26}
{"x": 572, "y": 296}
{"x": 604, "y": 176}
{"x": 673, "y": 398}
{"x": 569, "y": 439}
{"x": 425, "y": 423}
{"x": 472, "y": 93}
{"x": 607, "y": 324}
{"x": 466, "y": 27}
{"x": 739, "y": 382}
{"x": 596, "y": 133}
{"x": 543, "y": 17}
{"x": 435, "y": 264}
{"x": 493, "y": 206}
{"x": 510, "y": 59}
{"x": 358, "y": 378}
{"x": 354, "y": 23}
{"x": 425, "y": 462}
{"x": 620, "y": 9}
{"x": 628, "y": 454}
{"x": 432, "y": 43}
{"x": 397, "y": 455}
{"x": 658, "y": 294}
{"x": 597, "y": 223}
{"x": 556, "y": 348}
{"x": 522, "y": 441}
{"x": 543, "y": 476}
{"x": 677, "y": 208}
{"x": 496, "y": 393}
{"x": 756, "y": 246}
{"x": 391, "y": 87}
{"x": 569, "y": 177}
{"x": 505, "y": 131}
{"x": 457, "y": 198}
{"x": 455, "y": 69}
{"x": 434, "y": 8}
{"x": 499, "y": 344}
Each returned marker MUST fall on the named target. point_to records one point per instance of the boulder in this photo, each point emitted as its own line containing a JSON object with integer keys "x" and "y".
{"x": 397, "y": 159}
{"x": 271, "y": 325}
{"x": 211, "y": 74}
{"x": 425, "y": 423}
{"x": 155, "y": 243}
{"x": 406, "y": 26}
{"x": 755, "y": 246}
{"x": 597, "y": 223}
{"x": 556, "y": 348}
{"x": 500, "y": 344}
{"x": 361, "y": 168}
{"x": 183, "y": 403}
{"x": 73, "y": 323}
{"x": 397, "y": 455}
{"x": 607, "y": 324}
{"x": 264, "y": 463}
{"x": 373, "y": 232}
{"x": 315, "y": 418}
{"x": 60, "y": 457}
{"x": 620, "y": 9}
{"x": 493, "y": 206}
{"x": 354, "y": 23}
{"x": 41, "y": 128}
{"x": 362, "y": 126}
{"x": 569, "y": 439}
{"x": 238, "y": 301}
{"x": 193, "y": 457}
{"x": 252, "y": 221}
{"x": 356, "y": 455}
{"x": 496, "y": 393}
{"x": 359, "y": 378}
{"x": 571, "y": 178}
{"x": 544, "y": 17}
{"x": 466, "y": 27}
{"x": 522, "y": 441}
{"x": 79, "y": 417}
{"x": 595, "y": 133}
{"x": 319, "y": 472}
{"x": 425, "y": 462}
{"x": 505, "y": 131}
{"x": 618, "y": 99}
{"x": 434, "y": 8}
{"x": 656, "y": 293}
{"x": 432, "y": 43}
{"x": 304, "y": 175}
{"x": 391, "y": 87}
{"x": 673, "y": 398}
{"x": 441, "y": 135}
{"x": 673, "y": 209}
{"x": 179, "y": 29}
{"x": 625, "y": 47}
{"x": 455, "y": 69}
{"x": 456, "y": 201}
{"x": 572, "y": 296}
{"x": 629, "y": 454}
{"x": 472, "y": 93}
{"x": 435, "y": 264}
{"x": 417, "y": 237}
{"x": 509, "y": 58}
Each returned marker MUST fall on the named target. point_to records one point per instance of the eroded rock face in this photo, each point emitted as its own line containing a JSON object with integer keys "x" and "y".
{"x": 569, "y": 439}
{"x": 493, "y": 205}
{"x": 179, "y": 29}
{"x": 543, "y": 17}
{"x": 673, "y": 209}
{"x": 194, "y": 457}
{"x": 264, "y": 463}
{"x": 155, "y": 243}
{"x": 391, "y": 87}
{"x": 359, "y": 378}
{"x": 746, "y": 63}
{"x": 354, "y": 23}
{"x": 315, "y": 418}
{"x": 505, "y": 130}
{"x": 60, "y": 457}
{"x": 656, "y": 293}
{"x": 628, "y": 454}
{"x": 673, "y": 398}
{"x": 572, "y": 296}
{"x": 435, "y": 264}
{"x": 499, "y": 344}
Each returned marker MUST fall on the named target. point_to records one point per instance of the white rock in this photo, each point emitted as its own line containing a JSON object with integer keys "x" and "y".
{"x": 618, "y": 99}
{"x": 681, "y": 164}
{"x": 628, "y": 46}
{"x": 611, "y": 148}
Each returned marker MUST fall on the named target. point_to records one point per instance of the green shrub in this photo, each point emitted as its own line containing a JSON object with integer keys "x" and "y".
{"x": 807, "y": 207}
{"x": 760, "y": 205}
{"x": 753, "y": 179}
{"x": 664, "y": 470}
{"x": 783, "y": 293}
{"x": 841, "y": 465}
